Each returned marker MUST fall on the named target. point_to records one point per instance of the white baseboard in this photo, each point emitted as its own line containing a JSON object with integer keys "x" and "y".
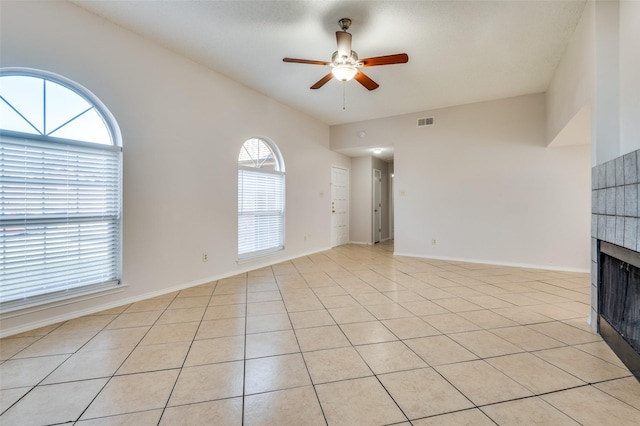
{"x": 493, "y": 262}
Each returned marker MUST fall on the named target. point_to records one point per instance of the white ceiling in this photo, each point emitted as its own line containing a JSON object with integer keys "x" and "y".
{"x": 459, "y": 51}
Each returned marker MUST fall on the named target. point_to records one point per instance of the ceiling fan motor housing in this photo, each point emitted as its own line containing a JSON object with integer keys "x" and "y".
{"x": 352, "y": 59}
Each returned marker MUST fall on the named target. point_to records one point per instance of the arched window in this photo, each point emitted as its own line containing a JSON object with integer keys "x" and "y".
{"x": 260, "y": 199}
{"x": 60, "y": 190}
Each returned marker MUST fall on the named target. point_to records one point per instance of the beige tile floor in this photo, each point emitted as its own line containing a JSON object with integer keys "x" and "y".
{"x": 351, "y": 336}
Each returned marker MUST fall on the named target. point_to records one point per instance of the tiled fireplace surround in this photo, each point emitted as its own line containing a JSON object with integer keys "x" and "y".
{"x": 615, "y": 212}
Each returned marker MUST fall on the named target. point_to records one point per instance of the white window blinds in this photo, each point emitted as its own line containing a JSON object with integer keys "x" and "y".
{"x": 261, "y": 199}
{"x": 260, "y": 212}
{"x": 59, "y": 219}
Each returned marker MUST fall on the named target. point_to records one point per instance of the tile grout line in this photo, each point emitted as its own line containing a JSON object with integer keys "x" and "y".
{"x": 125, "y": 359}
{"x": 166, "y": 405}
{"x": 63, "y": 362}
{"x": 244, "y": 352}
{"x": 304, "y": 360}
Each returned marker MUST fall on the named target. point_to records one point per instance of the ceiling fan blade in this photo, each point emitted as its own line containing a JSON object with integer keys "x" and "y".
{"x": 306, "y": 61}
{"x": 343, "y": 40}
{"x": 322, "y": 81}
{"x": 400, "y": 58}
{"x": 366, "y": 81}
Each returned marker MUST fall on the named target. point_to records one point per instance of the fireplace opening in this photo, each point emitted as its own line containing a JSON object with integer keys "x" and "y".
{"x": 619, "y": 303}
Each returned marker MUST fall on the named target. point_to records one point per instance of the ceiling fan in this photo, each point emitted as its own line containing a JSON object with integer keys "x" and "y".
{"x": 345, "y": 64}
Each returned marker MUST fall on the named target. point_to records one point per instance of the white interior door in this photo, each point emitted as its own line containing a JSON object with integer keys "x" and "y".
{"x": 391, "y": 211}
{"x": 377, "y": 206}
{"x": 339, "y": 206}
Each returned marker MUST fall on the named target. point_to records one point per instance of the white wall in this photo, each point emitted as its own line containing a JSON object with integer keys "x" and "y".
{"x": 601, "y": 67}
{"x": 617, "y": 87}
{"x": 182, "y": 126}
{"x": 571, "y": 90}
{"x": 360, "y": 219}
{"x": 629, "y": 76}
{"x": 597, "y": 79}
{"x": 606, "y": 110}
{"x": 482, "y": 182}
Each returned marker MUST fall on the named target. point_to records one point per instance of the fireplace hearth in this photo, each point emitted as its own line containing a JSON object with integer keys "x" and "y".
{"x": 619, "y": 303}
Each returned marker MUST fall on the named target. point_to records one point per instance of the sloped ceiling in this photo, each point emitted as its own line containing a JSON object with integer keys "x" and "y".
{"x": 459, "y": 51}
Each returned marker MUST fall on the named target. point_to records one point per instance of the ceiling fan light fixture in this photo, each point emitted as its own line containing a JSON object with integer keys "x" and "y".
{"x": 345, "y": 64}
{"x": 344, "y": 72}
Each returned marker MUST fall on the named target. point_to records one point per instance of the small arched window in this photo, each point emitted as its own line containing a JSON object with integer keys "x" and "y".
{"x": 60, "y": 190}
{"x": 260, "y": 199}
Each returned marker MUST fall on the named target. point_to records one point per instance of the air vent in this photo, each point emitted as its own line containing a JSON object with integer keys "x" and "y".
{"x": 425, "y": 121}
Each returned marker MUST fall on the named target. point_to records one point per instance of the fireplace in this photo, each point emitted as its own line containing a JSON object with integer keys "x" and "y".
{"x": 619, "y": 302}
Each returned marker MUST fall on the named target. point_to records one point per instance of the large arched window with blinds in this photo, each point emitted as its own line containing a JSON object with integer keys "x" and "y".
{"x": 60, "y": 190}
{"x": 260, "y": 199}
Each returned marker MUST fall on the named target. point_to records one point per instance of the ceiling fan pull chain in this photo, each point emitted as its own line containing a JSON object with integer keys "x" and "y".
{"x": 344, "y": 95}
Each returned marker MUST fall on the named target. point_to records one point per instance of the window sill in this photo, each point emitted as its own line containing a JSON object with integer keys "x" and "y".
{"x": 260, "y": 255}
{"x": 16, "y": 310}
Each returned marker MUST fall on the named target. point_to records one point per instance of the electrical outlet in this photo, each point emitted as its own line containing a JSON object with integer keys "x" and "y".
{"x": 205, "y": 257}
{"x": 434, "y": 241}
